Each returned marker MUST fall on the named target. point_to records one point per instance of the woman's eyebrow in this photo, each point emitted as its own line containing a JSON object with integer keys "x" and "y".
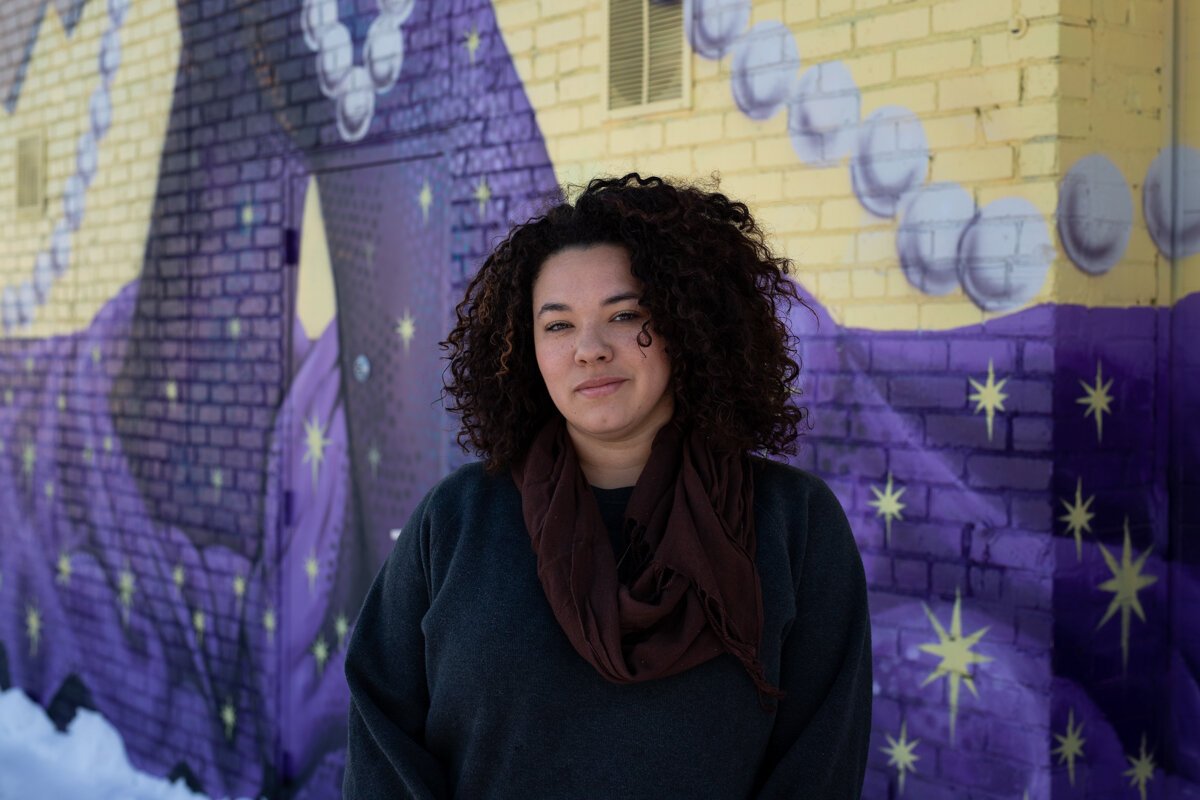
{"x": 616, "y": 298}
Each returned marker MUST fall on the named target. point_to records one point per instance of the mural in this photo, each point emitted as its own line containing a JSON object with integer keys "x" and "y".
{"x": 205, "y": 447}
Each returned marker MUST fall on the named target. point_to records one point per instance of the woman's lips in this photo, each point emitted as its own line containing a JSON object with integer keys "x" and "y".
{"x": 600, "y": 387}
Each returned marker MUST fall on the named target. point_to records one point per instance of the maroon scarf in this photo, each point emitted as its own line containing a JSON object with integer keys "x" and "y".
{"x": 688, "y": 589}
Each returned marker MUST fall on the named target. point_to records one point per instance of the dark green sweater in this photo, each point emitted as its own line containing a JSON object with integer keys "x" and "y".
{"x": 463, "y": 684}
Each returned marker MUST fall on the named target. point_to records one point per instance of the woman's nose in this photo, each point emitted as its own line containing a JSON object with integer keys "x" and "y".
{"x": 592, "y": 345}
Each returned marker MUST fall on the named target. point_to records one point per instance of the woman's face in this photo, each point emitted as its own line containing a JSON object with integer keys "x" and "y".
{"x": 586, "y": 321}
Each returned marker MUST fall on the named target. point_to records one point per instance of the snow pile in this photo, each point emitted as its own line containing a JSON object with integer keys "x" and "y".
{"x": 87, "y": 762}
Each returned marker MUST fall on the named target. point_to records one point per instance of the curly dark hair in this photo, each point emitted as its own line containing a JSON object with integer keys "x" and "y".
{"x": 713, "y": 289}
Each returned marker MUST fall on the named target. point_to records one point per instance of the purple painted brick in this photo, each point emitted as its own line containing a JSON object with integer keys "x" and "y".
{"x": 909, "y": 355}
{"x": 973, "y": 355}
{"x": 857, "y": 390}
{"x": 832, "y": 422}
{"x": 1030, "y": 396}
{"x": 946, "y": 579}
{"x": 959, "y": 430}
{"x": 1035, "y": 630}
{"x": 911, "y": 574}
{"x": 835, "y": 355}
{"x": 927, "y": 392}
{"x": 955, "y": 504}
{"x": 885, "y": 642}
{"x": 878, "y": 569}
{"x": 941, "y": 466}
{"x": 1004, "y": 472}
{"x": 993, "y": 775}
{"x": 1032, "y": 513}
{"x": 839, "y": 459}
{"x": 985, "y": 583}
{"x": 1008, "y": 548}
{"x": 886, "y": 426}
{"x": 1037, "y": 357}
{"x": 1037, "y": 322}
{"x": 1034, "y": 434}
{"x": 938, "y": 541}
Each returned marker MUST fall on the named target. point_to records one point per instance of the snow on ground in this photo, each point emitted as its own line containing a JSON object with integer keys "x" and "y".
{"x": 87, "y": 762}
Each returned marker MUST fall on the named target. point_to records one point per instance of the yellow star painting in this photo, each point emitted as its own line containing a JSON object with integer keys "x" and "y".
{"x": 229, "y": 718}
{"x": 64, "y": 569}
{"x": 177, "y": 576}
{"x": 269, "y": 623}
{"x": 957, "y": 657}
{"x": 483, "y": 193}
{"x": 1070, "y": 745}
{"x": 406, "y": 329}
{"x": 988, "y": 397}
{"x": 320, "y": 652}
{"x": 887, "y": 505}
{"x": 1097, "y": 401}
{"x": 900, "y": 754}
{"x": 341, "y": 627}
{"x": 1078, "y": 517}
{"x": 33, "y": 628}
{"x": 1141, "y": 770}
{"x": 471, "y": 41}
{"x": 1126, "y": 581}
{"x": 311, "y": 568}
{"x": 199, "y": 625}
{"x": 314, "y": 446}
{"x": 425, "y": 200}
{"x": 374, "y": 459}
{"x": 126, "y": 585}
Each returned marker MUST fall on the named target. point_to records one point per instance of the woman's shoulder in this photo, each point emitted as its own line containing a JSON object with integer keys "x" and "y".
{"x": 780, "y": 485}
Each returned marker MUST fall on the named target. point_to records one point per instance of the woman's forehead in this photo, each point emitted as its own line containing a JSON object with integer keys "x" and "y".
{"x": 595, "y": 271}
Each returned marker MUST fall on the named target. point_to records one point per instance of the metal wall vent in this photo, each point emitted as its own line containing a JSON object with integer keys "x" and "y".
{"x": 31, "y": 174}
{"x": 645, "y": 52}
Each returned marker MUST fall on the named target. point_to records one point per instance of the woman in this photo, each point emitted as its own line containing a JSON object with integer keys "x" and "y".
{"x": 620, "y": 600}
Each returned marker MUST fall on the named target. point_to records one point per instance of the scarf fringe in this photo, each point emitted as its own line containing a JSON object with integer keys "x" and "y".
{"x": 718, "y": 620}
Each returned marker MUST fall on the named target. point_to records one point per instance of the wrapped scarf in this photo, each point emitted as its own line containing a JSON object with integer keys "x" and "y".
{"x": 688, "y": 588}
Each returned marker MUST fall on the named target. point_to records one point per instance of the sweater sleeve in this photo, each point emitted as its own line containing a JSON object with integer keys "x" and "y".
{"x": 818, "y": 746}
{"x": 386, "y": 755}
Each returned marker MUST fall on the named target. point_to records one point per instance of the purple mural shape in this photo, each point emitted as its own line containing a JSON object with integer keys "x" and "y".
{"x": 712, "y": 26}
{"x": 1095, "y": 214}
{"x": 932, "y": 221}
{"x": 1005, "y": 254}
{"x": 823, "y": 114}
{"x": 765, "y": 62}
{"x": 1171, "y": 201}
{"x": 891, "y": 157}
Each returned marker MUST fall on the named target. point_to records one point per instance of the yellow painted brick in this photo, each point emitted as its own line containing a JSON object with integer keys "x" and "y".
{"x": 771, "y": 152}
{"x": 635, "y": 138}
{"x": 1125, "y": 49}
{"x": 587, "y": 141}
{"x": 518, "y": 13}
{"x": 594, "y": 20}
{"x": 753, "y": 187}
{"x": 1040, "y": 80}
{"x": 827, "y": 40}
{"x": 935, "y": 58}
{"x": 694, "y": 129}
{"x": 954, "y": 130}
{"x": 542, "y": 95}
{"x": 555, "y": 7}
{"x": 788, "y": 218}
{"x": 829, "y": 8}
{"x": 558, "y": 31}
{"x": 960, "y": 15}
{"x": 592, "y": 53}
{"x": 736, "y": 125}
{"x": 958, "y": 313}
{"x": 805, "y": 184}
{"x": 1038, "y": 158}
{"x": 569, "y": 60}
{"x": 724, "y": 157}
{"x": 676, "y": 163}
{"x": 834, "y": 283}
{"x": 866, "y": 5}
{"x": 871, "y": 70}
{"x": 917, "y": 97}
{"x": 896, "y": 314}
{"x": 1043, "y": 194}
{"x": 713, "y": 95}
{"x": 868, "y": 283}
{"x": 889, "y": 28}
{"x": 545, "y": 65}
{"x": 557, "y": 120}
{"x": 580, "y": 86}
{"x": 990, "y": 87}
{"x": 1039, "y": 43}
{"x": 973, "y": 164}
{"x": 1150, "y": 18}
{"x": 519, "y": 41}
{"x": 799, "y": 11}
{"x": 876, "y": 246}
{"x": 1020, "y": 122}
{"x": 843, "y": 213}
{"x": 814, "y": 249}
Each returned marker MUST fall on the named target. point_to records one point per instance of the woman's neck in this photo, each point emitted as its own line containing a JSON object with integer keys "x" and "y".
{"x": 611, "y": 465}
